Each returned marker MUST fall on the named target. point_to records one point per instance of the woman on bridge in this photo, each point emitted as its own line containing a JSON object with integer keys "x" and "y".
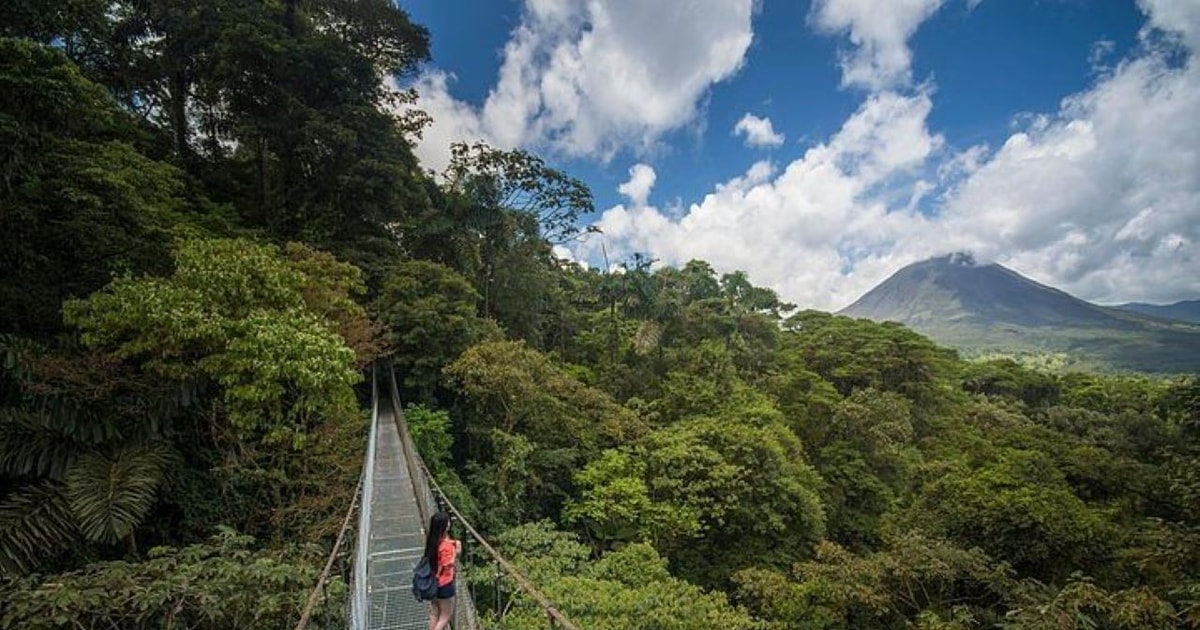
{"x": 441, "y": 551}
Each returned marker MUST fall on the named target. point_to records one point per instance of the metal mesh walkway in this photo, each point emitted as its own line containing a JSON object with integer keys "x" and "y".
{"x": 396, "y": 537}
{"x": 391, "y": 533}
{"x": 398, "y": 496}
{"x": 396, "y": 503}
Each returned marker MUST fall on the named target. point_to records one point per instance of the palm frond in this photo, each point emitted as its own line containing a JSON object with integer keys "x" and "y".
{"x": 29, "y": 447}
{"x": 35, "y": 522}
{"x": 647, "y": 338}
{"x": 80, "y": 420}
{"x": 12, "y": 350}
{"x": 110, "y": 495}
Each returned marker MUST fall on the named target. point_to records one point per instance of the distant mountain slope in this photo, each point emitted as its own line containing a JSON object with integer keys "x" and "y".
{"x": 989, "y": 308}
{"x": 1186, "y": 311}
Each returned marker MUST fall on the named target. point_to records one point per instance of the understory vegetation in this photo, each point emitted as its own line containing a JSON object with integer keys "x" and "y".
{"x": 212, "y": 223}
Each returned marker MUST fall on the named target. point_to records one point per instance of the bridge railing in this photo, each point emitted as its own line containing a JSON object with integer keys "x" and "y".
{"x": 430, "y": 498}
{"x": 466, "y": 617}
{"x": 358, "y": 591}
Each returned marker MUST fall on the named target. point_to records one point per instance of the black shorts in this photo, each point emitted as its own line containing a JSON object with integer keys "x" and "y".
{"x": 447, "y": 591}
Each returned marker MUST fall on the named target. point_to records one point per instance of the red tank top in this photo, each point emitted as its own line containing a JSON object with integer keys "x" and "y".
{"x": 446, "y": 556}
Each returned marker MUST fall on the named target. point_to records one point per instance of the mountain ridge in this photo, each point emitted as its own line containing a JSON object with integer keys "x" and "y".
{"x": 1184, "y": 311}
{"x": 980, "y": 308}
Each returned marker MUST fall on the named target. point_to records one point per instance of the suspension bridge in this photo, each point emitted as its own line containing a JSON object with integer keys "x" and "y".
{"x": 396, "y": 497}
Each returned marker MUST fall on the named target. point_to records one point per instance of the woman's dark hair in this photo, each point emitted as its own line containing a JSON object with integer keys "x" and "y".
{"x": 438, "y": 525}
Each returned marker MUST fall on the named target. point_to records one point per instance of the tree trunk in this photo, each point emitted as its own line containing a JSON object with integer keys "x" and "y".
{"x": 179, "y": 123}
{"x": 289, "y": 16}
{"x": 262, "y": 181}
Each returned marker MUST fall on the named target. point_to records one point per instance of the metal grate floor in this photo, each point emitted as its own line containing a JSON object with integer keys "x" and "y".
{"x": 397, "y": 537}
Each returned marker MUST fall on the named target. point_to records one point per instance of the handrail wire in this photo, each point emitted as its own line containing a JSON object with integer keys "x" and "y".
{"x": 333, "y": 553}
{"x": 551, "y": 611}
{"x": 358, "y": 601}
{"x": 466, "y": 617}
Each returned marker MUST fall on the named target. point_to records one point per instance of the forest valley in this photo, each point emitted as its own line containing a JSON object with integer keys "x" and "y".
{"x": 212, "y": 221}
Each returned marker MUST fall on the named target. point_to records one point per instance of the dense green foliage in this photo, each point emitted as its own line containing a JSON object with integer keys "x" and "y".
{"x": 211, "y": 219}
{"x": 180, "y": 347}
{"x": 826, "y": 472}
{"x": 220, "y": 584}
{"x": 630, "y": 587}
{"x": 246, "y": 318}
{"x": 432, "y": 314}
{"x": 80, "y": 201}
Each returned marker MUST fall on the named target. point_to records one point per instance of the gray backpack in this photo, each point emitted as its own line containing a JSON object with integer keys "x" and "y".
{"x": 424, "y": 581}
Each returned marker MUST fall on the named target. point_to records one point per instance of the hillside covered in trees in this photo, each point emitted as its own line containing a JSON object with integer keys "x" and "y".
{"x": 211, "y": 221}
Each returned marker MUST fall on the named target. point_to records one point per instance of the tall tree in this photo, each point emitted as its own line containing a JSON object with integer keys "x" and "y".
{"x": 518, "y": 181}
{"x": 432, "y": 314}
{"x": 78, "y": 201}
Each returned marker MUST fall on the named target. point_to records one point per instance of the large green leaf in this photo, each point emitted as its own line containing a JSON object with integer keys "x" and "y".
{"x": 35, "y": 521}
{"x": 111, "y": 494}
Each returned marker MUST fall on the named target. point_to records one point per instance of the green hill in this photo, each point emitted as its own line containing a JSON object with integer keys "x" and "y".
{"x": 1187, "y": 310}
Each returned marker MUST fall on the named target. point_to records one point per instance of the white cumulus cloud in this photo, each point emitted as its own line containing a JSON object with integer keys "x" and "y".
{"x": 1101, "y": 198}
{"x": 879, "y": 32}
{"x": 641, "y": 180}
{"x": 792, "y": 229}
{"x": 589, "y": 78}
{"x": 758, "y": 131}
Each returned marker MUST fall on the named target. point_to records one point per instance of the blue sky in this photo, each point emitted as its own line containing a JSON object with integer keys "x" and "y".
{"x": 1058, "y": 137}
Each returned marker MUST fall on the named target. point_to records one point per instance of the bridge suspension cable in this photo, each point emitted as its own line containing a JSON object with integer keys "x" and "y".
{"x": 398, "y": 497}
{"x": 423, "y": 479}
{"x": 311, "y": 604}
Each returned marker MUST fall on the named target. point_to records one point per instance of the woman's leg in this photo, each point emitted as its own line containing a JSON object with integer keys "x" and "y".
{"x": 445, "y": 613}
{"x": 434, "y": 614}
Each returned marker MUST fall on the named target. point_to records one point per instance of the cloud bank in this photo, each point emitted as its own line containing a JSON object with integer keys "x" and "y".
{"x": 1100, "y": 198}
{"x": 794, "y": 229}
